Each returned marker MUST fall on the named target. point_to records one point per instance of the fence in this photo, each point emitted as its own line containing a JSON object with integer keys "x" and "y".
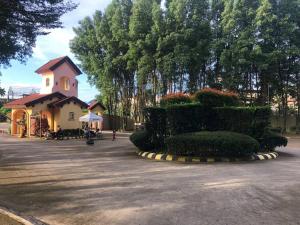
{"x": 278, "y": 121}
{"x": 118, "y": 123}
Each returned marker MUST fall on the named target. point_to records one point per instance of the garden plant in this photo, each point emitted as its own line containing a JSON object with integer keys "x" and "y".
{"x": 211, "y": 123}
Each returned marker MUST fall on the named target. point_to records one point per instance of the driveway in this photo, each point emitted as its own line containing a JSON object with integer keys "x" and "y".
{"x": 67, "y": 182}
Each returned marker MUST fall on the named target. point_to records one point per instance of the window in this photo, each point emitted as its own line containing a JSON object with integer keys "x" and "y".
{"x": 47, "y": 82}
{"x": 71, "y": 116}
{"x": 67, "y": 84}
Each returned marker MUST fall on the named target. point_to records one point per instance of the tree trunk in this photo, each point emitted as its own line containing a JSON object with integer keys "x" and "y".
{"x": 298, "y": 104}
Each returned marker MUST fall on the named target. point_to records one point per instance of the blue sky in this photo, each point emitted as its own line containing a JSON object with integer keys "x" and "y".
{"x": 53, "y": 45}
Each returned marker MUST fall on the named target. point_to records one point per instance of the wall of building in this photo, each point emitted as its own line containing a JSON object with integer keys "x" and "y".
{"x": 47, "y": 89}
{"x": 65, "y": 71}
{"x": 46, "y": 112}
{"x": 64, "y": 120}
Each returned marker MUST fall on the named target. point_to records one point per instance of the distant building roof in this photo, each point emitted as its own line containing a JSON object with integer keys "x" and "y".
{"x": 54, "y": 63}
{"x": 96, "y": 103}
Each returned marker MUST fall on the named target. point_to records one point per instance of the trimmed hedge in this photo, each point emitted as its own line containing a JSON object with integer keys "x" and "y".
{"x": 271, "y": 140}
{"x": 212, "y": 144}
{"x": 175, "y": 98}
{"x": 142, "y": 140}
{"x": 214, "y": 98}
{"x": 184, "y": 118}
{"x": 155, "y": 124}
{"x": 195, "y": 117}
{"x": 189, "y": 118}
{"x": 252, "y": 121}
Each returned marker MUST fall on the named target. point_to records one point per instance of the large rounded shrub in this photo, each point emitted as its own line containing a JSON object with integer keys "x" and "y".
{"x": 214, "y": 98}
{"x": 212, "y": 144}
{"x": 142, "y": 140}
{"x": 175, "y": 98}
{"x": 270, "y": 140}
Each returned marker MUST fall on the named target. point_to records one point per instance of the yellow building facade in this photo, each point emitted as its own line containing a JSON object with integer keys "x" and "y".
{"x": 57, "y": 105}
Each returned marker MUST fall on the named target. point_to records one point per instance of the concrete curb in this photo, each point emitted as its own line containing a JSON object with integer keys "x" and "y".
{"x": 12, "y": 215}
{"x": 186, "y": 159}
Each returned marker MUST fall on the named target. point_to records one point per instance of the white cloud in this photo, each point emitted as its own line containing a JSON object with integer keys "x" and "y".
{"x": 54, "y": 44}
{"x": 39, "y": 54}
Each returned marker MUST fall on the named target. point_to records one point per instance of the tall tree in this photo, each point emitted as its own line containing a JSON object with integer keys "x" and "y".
{"x": 277, "y": 30}
{"x": 217, "y": 45}
{"x": 101, "y": 44}
{"x": 186, "y": 43}
{"x": 238, "y": 56}
{"x": 142, "y": 51}
{"x": 137, "y": 51}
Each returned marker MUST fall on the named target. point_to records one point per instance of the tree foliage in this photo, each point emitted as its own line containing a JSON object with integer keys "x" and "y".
{"x": 21, "y": 21}
{"x": 141, "y": 51}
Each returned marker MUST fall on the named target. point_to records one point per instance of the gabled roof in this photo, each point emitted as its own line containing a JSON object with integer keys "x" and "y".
{"x": 55, "y": 63}
{"x": 33, "y": 99}
{"x": 96, "y": 103}
{"x": 67, "y": 100}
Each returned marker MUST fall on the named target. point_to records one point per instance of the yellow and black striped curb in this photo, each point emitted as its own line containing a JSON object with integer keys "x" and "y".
{"x": 18, "y": 219}
{"x": 187, "y": 159}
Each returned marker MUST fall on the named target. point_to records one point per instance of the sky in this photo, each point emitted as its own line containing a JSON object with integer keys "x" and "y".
{"x": 51, "y": 46}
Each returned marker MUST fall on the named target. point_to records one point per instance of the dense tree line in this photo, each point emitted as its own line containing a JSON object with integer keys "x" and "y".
{"x": 137, "y": 51}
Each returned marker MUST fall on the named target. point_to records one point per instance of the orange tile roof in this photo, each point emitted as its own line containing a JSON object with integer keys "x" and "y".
{"x": 23, "y": 101}
{"x": 32, "y": 99}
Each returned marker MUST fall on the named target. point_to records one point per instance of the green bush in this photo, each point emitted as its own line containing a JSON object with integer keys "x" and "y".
{"x": 188, "y": 118}
{"x": 3, "y": 114}
{"x": 214, "y": 98}
{"x": 175, "y": 98}
{"x": 71, "y": 133}
{"x": 155, "y": 124}
{"x": 271, "y": 140}
{"x": 277, "y": 130}
{"x": 252, "y": 121}
{"x": 142, "y": 140}
{"x": 212, "y": 144}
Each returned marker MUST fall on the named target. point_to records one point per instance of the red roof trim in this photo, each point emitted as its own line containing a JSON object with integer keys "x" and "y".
{"x": 68, "y": 100}
{"x": 55, "y": 63}
{"x": 46, "y": 97}
{"x": 95, "y": 104}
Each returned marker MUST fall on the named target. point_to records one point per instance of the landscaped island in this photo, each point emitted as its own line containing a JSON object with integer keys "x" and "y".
{"x": 211, "y": 123}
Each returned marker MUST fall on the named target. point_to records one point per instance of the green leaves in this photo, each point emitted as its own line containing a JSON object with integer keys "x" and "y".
{"x": 138, "y": 51}
{"x": 22, "y": 21}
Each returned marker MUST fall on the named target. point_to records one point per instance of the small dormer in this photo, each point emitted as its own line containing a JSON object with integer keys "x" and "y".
{"x": 59, "y": 75}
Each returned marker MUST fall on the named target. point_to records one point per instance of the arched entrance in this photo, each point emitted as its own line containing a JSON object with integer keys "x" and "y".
{"x": 20, "y": 123}
{"x": 40, "y": 123}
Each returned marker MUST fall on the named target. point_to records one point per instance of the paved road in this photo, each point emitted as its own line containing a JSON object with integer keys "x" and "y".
{"x": 67, "y": 182}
